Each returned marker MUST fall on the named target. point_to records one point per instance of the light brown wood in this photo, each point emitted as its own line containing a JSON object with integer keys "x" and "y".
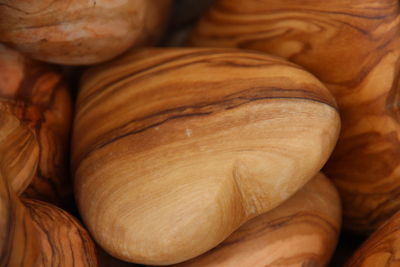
{"x": 34, "y": 233}
{"x": 34, "y": 148}
{"x": 303, "y": 231}
{"x": 80, "y": 32}
{"x": 354, "y": 48}
{"x": 381, "y": 249}
{"x": 174, "y": 149}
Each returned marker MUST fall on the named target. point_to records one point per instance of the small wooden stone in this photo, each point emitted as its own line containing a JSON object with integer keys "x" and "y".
{"x": 80, "y": 32}
{"x": 34, "y": 233}
{"x": 35, "y": 101}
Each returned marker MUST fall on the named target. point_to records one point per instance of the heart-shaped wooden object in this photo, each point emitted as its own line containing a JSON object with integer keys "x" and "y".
{"x": 174, "y": 149}
{"x": 36, "y": 95}
{"x": 302, "y": 231}
{"x": 354, "y": 48}
{"x": 76, "y": 32}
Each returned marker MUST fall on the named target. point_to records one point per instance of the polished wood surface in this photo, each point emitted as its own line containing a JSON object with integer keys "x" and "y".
{"x": 34, "y": 146}
{"x": 34, "y": 233}
{"x": 381, "y": 249}
{"x": 80, "y": 32}
{"x": 303, "y": 231}
{"x": 174, "y": 149}
{"x": 354, "y": 48}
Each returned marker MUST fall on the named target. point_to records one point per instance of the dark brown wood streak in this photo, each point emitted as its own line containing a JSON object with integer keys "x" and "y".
{"x": 206, "y": 133}
{"x": 381, "y": 249}
{"x": 354, "y": 48}
{"x": 35, "y": 94}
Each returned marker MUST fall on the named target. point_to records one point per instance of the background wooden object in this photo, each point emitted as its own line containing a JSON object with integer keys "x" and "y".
{"x": 34, "y": 233}
{"x": 185, "y": 145}
{"x": 36, "y": 96}
{"x": 382, "y": 248}
{"x": 354, "y": 48}
{"x": 80, "y": 32}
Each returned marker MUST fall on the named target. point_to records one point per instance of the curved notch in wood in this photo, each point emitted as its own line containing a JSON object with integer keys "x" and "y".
{"x": 303, "y": 231}
{"x": 354, "y": 48}
{"x": 185, "y": 145}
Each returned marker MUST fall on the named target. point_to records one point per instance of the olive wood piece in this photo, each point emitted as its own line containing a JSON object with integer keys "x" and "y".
{"x": 34, "y": 157}
{"x": 353, "y": 47}
{"x": 34, "y": 233}
{"x": 80, "y": 32}
{"x": 174, "y": 149}
{"x": 302, "y": 231}
{"x": 381, "y": 249}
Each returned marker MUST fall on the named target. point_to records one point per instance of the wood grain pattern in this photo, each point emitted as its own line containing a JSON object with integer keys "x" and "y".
{"x": 34, "y": 233}
{"x": 35, "y": 109}
{"x": 354, "y": 48}
{"x": 303, "y": 231}
{"x": 80, "y": 32}
{"x": 381, "y": 249}
{"x": 185, "y": 145}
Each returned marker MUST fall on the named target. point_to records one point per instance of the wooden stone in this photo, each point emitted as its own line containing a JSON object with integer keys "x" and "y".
{"x": 381, "y": 249}
{"x": 303, "y": 231}
{"x": 354, "y": 48}
{"x": 34, "y": 233}
{"x": 33, "y": 157}
{"x": 174, "y": 149}
{"x": 80, "y": 32}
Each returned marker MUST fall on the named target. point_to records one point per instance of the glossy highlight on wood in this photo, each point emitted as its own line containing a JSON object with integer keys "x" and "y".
{"x": 80, "y": 32}
{"x": 353, "y": 47}
{"x": 302, "y": 231}
{"x": 381, "y": 249}
{"x": 34, "y": 146}
{"x": 186, "y": 145}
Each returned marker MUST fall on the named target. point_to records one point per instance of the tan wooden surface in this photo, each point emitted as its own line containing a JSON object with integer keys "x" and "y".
{"x": 174, "y": 149}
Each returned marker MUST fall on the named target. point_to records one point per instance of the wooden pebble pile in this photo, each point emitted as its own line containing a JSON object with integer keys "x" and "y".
{"x": 199, "y": 133}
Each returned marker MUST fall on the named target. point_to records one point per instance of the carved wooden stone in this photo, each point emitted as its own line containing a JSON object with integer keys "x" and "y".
{"x": 174, "y": 149}
{"x": 34, "y": 157}
{"x": 80, "y": 32}
{"x": 354, "y": 48}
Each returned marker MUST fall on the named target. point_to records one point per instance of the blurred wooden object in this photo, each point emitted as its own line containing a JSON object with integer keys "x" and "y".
{"x": 303, "y": 231}
{"x": 34, "y": 233}
{"x": 174, "y": 149}
{"x": 34, "y": 158}
{"x": 354, "y": 48}
{"x": 381, "y": 249}
{"x": 80, "y": 32}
